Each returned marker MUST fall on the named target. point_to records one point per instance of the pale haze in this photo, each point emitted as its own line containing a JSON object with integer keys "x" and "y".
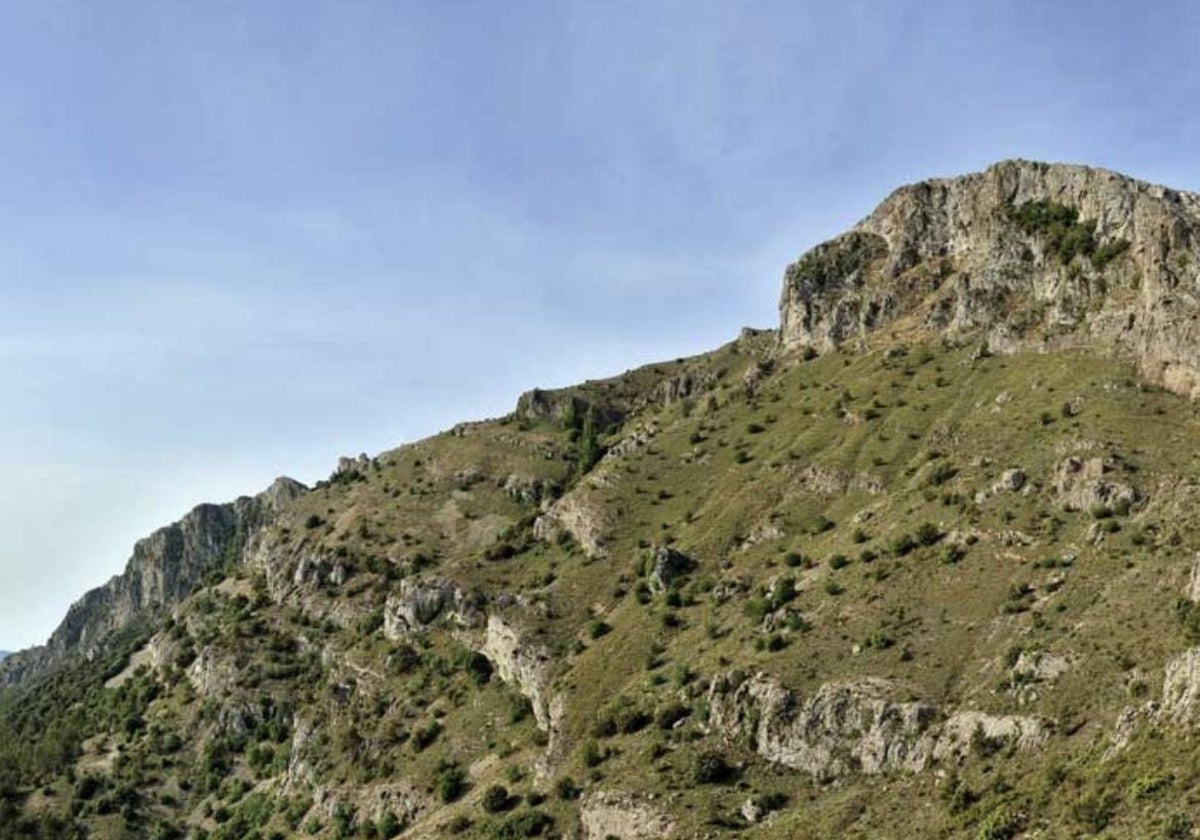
{"x": 239, "y": 240}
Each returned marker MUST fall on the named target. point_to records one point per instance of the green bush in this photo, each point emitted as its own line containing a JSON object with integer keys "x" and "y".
{"x": 566, "y": 789}
{"x": 1002, "y": 824}
{"x": 496, "y": 799}
{"x": 525, "y": 824}
{"x": 450, "y": 783}
{"x": 710, "y": 768}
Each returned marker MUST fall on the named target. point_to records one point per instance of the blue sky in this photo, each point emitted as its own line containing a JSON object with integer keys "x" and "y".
{"x": 240, "y": 239}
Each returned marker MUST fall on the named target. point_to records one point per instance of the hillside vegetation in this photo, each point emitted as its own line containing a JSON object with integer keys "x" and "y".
{"x": 922, "y": 563}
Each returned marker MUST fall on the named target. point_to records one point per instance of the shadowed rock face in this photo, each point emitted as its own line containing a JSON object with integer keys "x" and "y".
{"x": 164, "y": 569}
{"x": 951, "y": 255}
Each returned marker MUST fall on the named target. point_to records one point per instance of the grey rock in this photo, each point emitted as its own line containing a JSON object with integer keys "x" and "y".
{"x": 668, "y": 565}
{"x": 419, "y": 603}
{"x": 944, "y": 254}
{"x": 1087, "y": 484}
{"x": 855, "y": 726}
{"x": 165, "y": 568}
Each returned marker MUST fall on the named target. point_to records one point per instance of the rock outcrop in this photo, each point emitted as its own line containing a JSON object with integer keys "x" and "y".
{"x": 419, "y": 603}
{"x": 1086, "y": 484}
{"x": 845, "y": 727}
{"x": 165, "y": 568}
{"x": 957, "y": 256}
{"x": 1181, "y": 687}
{"x": 667, "y": 566}
{"x": 525, "y": 664}
{"x": 605, "y": 814}
{"x": 857, "y": 726}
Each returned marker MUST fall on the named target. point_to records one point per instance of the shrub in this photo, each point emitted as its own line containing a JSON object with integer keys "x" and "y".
{"x": 879, "y": 640}
{"x": 1187, "y": 612}
{"x": 566, "y": 789}
{"x": 1177, "y": 827}
{"x": 670, "y": 715}
{"x": 770, "y": 801}
{"x": 1107, "y": 253}
{"x": 526, "y": 824}
{"x": 389, "y": 825}
{"x": 710, "y": 768}
{"x": 903, "y": 545}
{"x": 783, "y": 592}
{"x": 598, "y": 628}
{"x": 591, "y": 755}
{"x": 1001, "y": 824}
{"x": 928, "y": 533}
{"x": 1058, "y": 225}
{"x": 479, "y": 667}
{"x": 496, "y": 799}
{"x": 450, "y": 782}
{"x": 426, "y": 735}
{"x": 952, "y": 554}
{"x": 1145, "y": 787}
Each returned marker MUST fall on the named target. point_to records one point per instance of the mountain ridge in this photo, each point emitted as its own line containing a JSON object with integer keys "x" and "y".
{"x": 921, "y": 562}
{"x": 165, "y": 568}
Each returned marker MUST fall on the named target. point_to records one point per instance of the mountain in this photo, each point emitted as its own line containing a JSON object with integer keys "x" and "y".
{"x": 164, "y": 569}
{"x": 921, "y": 562}
{"x": 3, "y": 655}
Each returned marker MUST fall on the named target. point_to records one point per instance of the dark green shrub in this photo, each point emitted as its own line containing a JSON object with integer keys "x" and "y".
{"x": 566, "y": 789}
{"x": 525, "y": 824}
{"x": 496, "y": 799}
{"x": 450, "y": 783}
{"x": 710, "y": 768}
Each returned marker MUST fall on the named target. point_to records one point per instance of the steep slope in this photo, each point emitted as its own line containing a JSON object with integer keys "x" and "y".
{"x": 165, "y": 568}
{"x": 921, "y": 563}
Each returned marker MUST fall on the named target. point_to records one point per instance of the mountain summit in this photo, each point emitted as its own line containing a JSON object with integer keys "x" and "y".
{"x": 1027, "y": 255}
{"x": 921, "y": 562}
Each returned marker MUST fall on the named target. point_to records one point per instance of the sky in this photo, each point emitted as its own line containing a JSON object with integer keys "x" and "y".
{"x": 238, "y": 240}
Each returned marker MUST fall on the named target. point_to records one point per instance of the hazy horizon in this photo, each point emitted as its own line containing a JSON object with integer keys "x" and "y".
{"x": 240, "y": 243}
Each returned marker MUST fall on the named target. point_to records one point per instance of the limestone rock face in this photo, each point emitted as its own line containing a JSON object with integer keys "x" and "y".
{"x": 525, "y": 664}
{"x": 858, "y": 727}
{"x": 165, "y": 568}
{"x": 608, "y": 814}
{"x": 419, "y": 603}
{"x": 843, "y": 728}
{"x": 947, "y": 254}
{"x": 581, "y": 517}
{"x": 1087, "y": 484}
{"x": 1181, "y": 687}
{"x": 964, "y": 729}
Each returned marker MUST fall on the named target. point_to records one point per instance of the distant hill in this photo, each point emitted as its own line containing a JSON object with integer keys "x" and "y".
{"x": 3, "y": 655}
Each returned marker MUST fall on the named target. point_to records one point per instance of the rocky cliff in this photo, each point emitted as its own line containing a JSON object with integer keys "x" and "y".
{"x": 1024, "y": 254}
{"x": 165, "y": 568}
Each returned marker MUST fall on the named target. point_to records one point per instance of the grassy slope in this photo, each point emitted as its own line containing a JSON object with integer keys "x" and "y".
{"x": 832, "y": 457}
